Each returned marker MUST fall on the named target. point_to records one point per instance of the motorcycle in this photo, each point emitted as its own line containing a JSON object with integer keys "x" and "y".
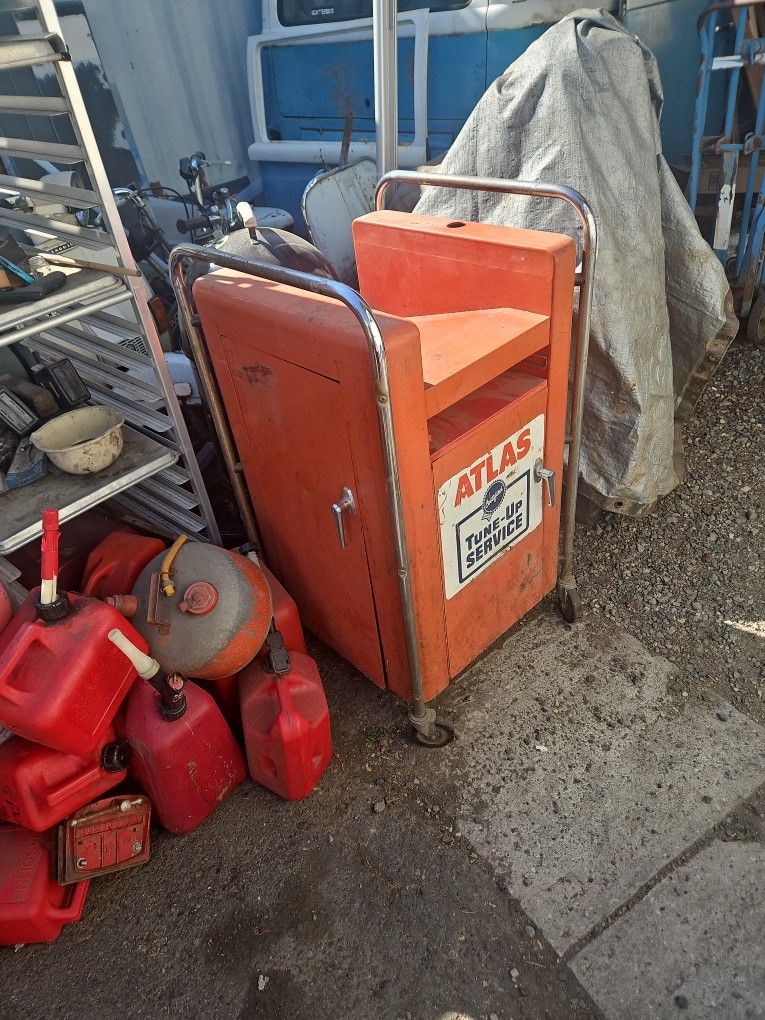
{"x": 213, "y": 216}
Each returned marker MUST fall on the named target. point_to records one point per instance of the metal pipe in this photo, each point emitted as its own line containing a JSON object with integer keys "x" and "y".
{"x": 566, "y": 579}
{"x": 422, "y": 717}
{"x": 385, "y": 45}
{"x": 40, "y": 325}
{"x": 208, "y": 383}
{"x": 735, "y": 74}
{"x": 707, "y": 27}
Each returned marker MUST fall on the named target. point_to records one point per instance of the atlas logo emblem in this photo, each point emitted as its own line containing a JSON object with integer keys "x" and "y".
{"x": 492, "y": 501}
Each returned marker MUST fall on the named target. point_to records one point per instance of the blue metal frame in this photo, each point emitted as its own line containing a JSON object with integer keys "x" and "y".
{"x": 747, "y": 274}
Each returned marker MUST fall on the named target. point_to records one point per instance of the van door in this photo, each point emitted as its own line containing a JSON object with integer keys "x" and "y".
{"x": 311, "y": 72}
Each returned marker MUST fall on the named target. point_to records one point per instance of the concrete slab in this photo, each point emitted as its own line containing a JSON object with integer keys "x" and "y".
{"x": 579, "y": 776}
{"x": 694, "y": 943}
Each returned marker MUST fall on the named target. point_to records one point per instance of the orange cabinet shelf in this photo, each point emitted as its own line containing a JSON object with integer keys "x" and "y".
{"x": 463, "y": 351}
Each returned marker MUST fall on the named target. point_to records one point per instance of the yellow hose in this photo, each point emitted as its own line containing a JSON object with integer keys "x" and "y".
{"x": 165, "y": 581}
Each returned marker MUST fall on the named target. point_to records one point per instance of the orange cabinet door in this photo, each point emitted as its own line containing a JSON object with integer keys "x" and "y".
{"x": 297, "y": 462}
{"x": 499, "y": 544}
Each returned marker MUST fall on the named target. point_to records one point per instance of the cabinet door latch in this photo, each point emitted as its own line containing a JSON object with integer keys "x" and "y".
{"x": 346, "y": 503}
{"x": 547, "y": 477}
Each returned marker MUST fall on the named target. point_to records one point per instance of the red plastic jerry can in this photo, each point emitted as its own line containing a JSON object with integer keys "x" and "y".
{"x": 33, "y": 907}
{"x": 286, "y": 616}
{"x": 39, "y": 787}
{"x": 6, "y": 607}
{"x": 285, "y": 719}
{"x": 62, "y": 680}
{"x": 117, "y": 562}
{"x": 183, "y": 754}
{"x": 225, "y": 691}
{"x": 23, "y": 615}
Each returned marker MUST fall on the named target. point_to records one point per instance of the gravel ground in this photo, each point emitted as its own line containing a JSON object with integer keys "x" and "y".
{"x": 688, "y": 581}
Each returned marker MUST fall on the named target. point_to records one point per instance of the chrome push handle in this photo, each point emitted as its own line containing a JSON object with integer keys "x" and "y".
{"x": 547, "y": 477}
{"x": 346, "y": 503}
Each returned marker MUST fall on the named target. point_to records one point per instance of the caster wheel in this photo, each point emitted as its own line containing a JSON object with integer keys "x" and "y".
{"x": 570, "y": 605}
{"x": 443, "y": 734}
{"x": 755, "y": 324}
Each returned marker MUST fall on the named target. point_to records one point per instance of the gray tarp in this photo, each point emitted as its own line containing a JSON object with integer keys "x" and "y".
{"x": 581, "y": 107}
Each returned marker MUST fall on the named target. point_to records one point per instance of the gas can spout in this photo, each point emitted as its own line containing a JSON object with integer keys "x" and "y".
{"x": 277, "y": 657}
{"x": 51, "y": 605}
{"x": 49, "y": 558}
{"x": 172, "y": 703}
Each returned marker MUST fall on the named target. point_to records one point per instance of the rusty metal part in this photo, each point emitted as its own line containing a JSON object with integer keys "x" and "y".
{"x": 207, "y": 381}
{"x": 222, "y": 638}
{"x": 108, "y": 835}
{"x": 125, "y": 604}
{"x": 199, "y": 599}
{"x": 152, "y": 604}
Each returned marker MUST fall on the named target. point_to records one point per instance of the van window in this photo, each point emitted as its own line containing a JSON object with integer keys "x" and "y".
{"x": 313, "y": 12}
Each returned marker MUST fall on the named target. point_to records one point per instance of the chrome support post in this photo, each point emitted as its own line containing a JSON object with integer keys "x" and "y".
{"x": 385, "y": 49}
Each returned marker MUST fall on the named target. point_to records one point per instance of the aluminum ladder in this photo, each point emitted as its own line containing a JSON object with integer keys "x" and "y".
{"x": 102, "y": 323}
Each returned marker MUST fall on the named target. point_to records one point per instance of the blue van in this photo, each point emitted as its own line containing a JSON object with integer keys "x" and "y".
{"x": 310, "y": 76}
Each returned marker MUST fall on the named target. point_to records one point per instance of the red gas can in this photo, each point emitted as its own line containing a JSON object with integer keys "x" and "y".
{"x": 39, "y": 787}
{"x": 186, "y": 766}
{"x": 6, "y": 607}
{"x": 285, "y": 721}
{"x": 225, "y": 691}
{"x": 62, "y": 680}
{"x": 286, "y": 616}
{"x": 24, "y": 614}
{"x": 183, "y": 753}
{"x": 78, "y": 537}
{"x": 33, "y": 907}
{"x": 117, "y": 562}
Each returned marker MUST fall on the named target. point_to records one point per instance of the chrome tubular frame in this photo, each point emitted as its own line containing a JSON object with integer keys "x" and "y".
{"x": 422, "y": 717}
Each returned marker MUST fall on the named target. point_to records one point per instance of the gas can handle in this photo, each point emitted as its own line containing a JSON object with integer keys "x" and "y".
{"x": 71, "y": 787}
{"x": 347, "y": 502}
{"x": 10, "y": 658}
{"x": 547, "y": 477}
{"x": 72, "y": 911}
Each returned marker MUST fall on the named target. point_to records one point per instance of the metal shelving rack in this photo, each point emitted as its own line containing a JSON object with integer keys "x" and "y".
{"x": 101, "y": 322}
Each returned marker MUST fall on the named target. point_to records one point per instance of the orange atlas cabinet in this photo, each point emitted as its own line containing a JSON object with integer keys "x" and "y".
{"x": 476, "y": 322}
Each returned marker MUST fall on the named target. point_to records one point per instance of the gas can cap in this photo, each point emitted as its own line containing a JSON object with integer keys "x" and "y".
{"x": 199, "y": 599}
